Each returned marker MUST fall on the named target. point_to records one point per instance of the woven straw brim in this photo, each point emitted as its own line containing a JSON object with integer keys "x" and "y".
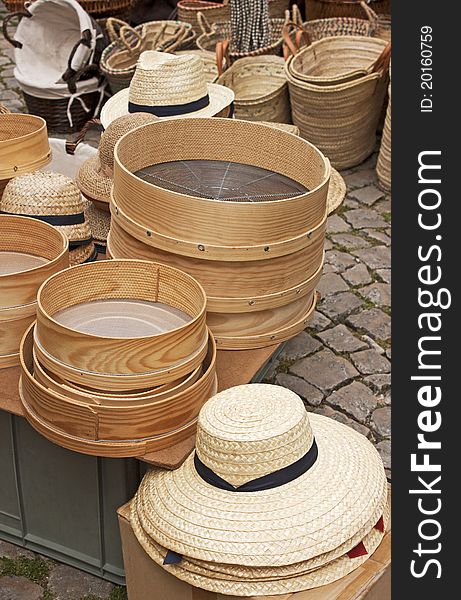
{"x": 220, "y": 98}
{"x": 99, "y": 221}
{"x": 307, "y": 517}
{"x": 336, "y": 191}
{"x": 82, "y": 254}
{"x": 264, "y": 584}
{"x": 92, "y": 182}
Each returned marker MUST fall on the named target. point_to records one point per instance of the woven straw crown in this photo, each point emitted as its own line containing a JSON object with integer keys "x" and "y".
{"x": 245, "y": 437}
{"x": 115, "y": 131}
{"x": 44, "y": 194}
{"x": 163, "y": 79}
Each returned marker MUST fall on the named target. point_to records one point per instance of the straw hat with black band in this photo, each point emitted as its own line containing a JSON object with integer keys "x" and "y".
{"x": 169, "y": 86}
{"x": 94, "y": 177}
{"x": 55, "y": 199}
{"x": 273, "y": 500}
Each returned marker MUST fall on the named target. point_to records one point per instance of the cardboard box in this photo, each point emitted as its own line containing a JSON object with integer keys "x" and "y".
{"x": 145, "y": 580}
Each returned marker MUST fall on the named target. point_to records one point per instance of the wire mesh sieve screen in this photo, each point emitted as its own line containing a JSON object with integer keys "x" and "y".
{"x": 222, "y": 180}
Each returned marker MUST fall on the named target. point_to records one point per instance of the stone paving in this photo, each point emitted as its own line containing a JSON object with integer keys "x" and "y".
{"x": 340, "y": 365}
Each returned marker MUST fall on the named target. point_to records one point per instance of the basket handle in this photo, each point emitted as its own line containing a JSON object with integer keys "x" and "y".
{"x": 296, "y": 15}
{"x": 222, "y": 56}
{"x": 85, "y": 40}
{"x": 372, "y": 16}
{"x": 383, "y": 61}
{"x": 301, "y": 34}
{"x": 71, "y": 147}
{"x": 92, "y": 69}
{"x": 6, "y": 20}
{"x": 175, "y": 40}
{"x": 204, "y": 23}
{"x": 123, "y": 38}
{"x": 113, "y": 26}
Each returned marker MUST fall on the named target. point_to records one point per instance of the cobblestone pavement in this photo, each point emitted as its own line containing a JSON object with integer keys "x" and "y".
{"x": 340, "y": 365}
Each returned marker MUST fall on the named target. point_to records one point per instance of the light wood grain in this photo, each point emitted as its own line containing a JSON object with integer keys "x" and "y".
{"x": 234, "y": 286}
{"x": 30, "y": 236}
{"x": 257, "y": 330}
{"x": 136, "y": 363}
{"x": 212, "y": 224}
{"x": 24, "y": 145}
{"x": 111, "y": 428}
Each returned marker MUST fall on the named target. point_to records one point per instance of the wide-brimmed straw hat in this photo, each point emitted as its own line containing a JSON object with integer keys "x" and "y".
{"x": 168, "y": 86}
{"x": 273, "y": 500}
{"x": 94, "y": 177}
{"x": 336, "y": 191}
{"x": 55, "y": 199}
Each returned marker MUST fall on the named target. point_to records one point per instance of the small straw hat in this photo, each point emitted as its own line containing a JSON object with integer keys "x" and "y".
{"x": 55, "y": 199}
{"x": 94, "y": 177}
{"x": 168, "y": 86}
{"x": 273, "y": 500}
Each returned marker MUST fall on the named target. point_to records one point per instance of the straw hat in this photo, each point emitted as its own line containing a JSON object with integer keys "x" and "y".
{"x": 168, "y": 86}
{"x": 313, "y": 492}
{"x": 94, "y": 177}
{"x": 336, "y": 191}
{"x": 99, "y": 222}
{"x": 55, "y": 199}
{"x": 3, "y": 109}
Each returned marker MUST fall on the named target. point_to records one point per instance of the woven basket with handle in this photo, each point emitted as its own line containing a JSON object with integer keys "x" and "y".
{"x": 339, "y": 114}
{"x": 96, "y": 8}
{"x": 260, "y": 87}
{"x": 118, "y": 60}
{"x": 222, "y": 31}
{"x": 301, "y": 34}
{"x": 322, "y": 9}
{"x": 214, "y": 11}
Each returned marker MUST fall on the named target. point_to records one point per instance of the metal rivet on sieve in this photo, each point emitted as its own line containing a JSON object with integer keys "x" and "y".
{"x": 15, "y": 168}
{"x": 309, "y": 234}
{"x": 298, "y": 291}
{"x": 252, "y": 302}
{"x": 272, "y": 337}
{"x": 266, "y": 248}
{"x": 149, "y": 233}
{"x": 201, "y": 247}
{"x": 116, "y": 211}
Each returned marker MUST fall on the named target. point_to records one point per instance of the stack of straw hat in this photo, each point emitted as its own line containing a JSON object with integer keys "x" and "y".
{"x": 211, "y": 195}
{"x": 274, "y": 500}
{"x": 30, "y": 251}
{"x": 24, "y": 145}
{"x": 337, "y": 87}
{"x": 94, "y": 177}
{"x": 120, "y": 360}
{"x": 54, "y": 199}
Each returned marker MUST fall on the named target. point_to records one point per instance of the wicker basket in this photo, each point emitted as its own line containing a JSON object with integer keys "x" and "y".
{"x": 384, "y": 27}
{"x": 334, "y": 60}
{"x": 259, "y": 277}
{"x": 118, "y": 60}
{"x": 260, "y": 87}
{"x": 3, "y": 109}
{"x": 95, "y": 345}
{"x": 69, "y": 91}
{"x": 312, "y": 31}
{"x": 30, "y": 251}
{"x": 101, "y": 425}
{"x": 96, "y": 8}
{"x": 339, "y": 119}
{"x": 221, "y": 31}
{"x": 383, "y": 167}
{"x": 322, "y": 9}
